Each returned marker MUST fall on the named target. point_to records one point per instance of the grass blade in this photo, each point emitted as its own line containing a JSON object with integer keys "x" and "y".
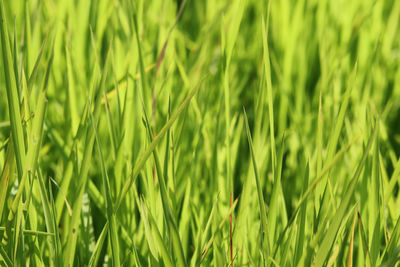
{"x": 263, "y": 214}
{"x": 142, "y": 160}
{"x": 12, "y": 95}
{"x": 169, "y": 217}
{"x": 50, "y": 224}
{"x": 109, "y": 203}
{"x": 99, "y": 246}
{"x": 330, "y": 236}
{"x": 367, "y": 255}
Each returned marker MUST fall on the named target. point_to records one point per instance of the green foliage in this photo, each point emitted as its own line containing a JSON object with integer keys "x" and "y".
{"x": 199, "y": 133}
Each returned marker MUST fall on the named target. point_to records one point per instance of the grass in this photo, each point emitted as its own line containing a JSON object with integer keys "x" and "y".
{"x": 199, "y": 133}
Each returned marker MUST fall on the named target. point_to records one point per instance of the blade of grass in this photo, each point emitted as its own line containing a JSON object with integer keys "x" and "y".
{"x": 94, "y": 259}
{"x": 312, "y": 187}
{"x": 169, "y": 217}
{"x": 394, "y": 243}
{"x": 50, "y": 223}
{"x": 109, "y": 206}
{"x": 300, "y": 240}
{"x": 149, "y": 233}
{"x": 134, "y": 23}
{"x": 5, "y": 176}
{"x": 69, "y": 254}
{"x": 72, "y": 97}
{"x": 374, "y": 202}
{"x": 27, "y": 37}
{"x": 330, "y": 236}
{"x": 267, "y": 67}
{"x": 12, "y": 95}
{"x": 161, "y": 58}
{"x": 5, "y": 259}
{"x": 32, "y": 76}
{"x": 351, "y": 245}
{"x": 15, "y": 54}
{"x": 227, "y": 48}
{"x": 263, "y": 214}
{"x": 30, "y": 232}
{"x": 33, "y": 140}
{"x": 160, "y": 243}
{"x": 219, "y": 228}
{"x": 32, "y": 155}
{"x": 394, "y": 179}
{"x": 277, "y": 209}
{"x": 334, "y": 137}
{"x": 367, "y": 255}
{"x": 142, "y": 160}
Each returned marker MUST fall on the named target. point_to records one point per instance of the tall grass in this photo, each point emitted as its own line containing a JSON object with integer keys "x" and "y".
{"x": 199, "y": 133}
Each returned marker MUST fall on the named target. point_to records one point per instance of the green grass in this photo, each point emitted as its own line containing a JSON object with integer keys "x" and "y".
{"x": 199, "y": 133}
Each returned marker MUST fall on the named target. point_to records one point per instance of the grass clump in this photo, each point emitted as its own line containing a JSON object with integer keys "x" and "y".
{"x": 199, "y": 133}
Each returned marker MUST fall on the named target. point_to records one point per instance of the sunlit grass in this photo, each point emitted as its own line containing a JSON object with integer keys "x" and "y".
{"x": 199, "y": 133}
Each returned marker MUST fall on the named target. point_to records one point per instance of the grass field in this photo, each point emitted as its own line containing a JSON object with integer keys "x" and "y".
{"x": 200, "y": 133}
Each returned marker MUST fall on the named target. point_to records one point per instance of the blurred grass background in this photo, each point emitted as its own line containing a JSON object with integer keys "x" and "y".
{"x": 124, "y": 140}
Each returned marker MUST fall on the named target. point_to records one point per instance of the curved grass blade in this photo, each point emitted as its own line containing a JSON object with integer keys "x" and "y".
{"x": 218, "y": 229}
{"x": 261, "y": 204}
{"x": 5, "y": 259}
{"x": 229, "y": 32}
{"x": 168, "y": 215}
{"x": 334, "y": 137}
{"x": 162, "y": 248}
{"x": 109, "y": 206}
{"x": 330, "y": 236}
{"x": 364, "y": 242}
{"x": 300, "y": 240}
{"x": 12, "y": 95}
{"x": 99, "y": 246}
{"x": 312, "y": 187}
{"x": 69, "y": 253}
{"x": 5, "y": 177}
{"x": 351, "y": 245}
{"x": 32, "y": 76}
{"x": 392, "y": 249}
{"x": 34, "y": 140}
{"x": 50, "y": 224}
{"x": 142, "y": 160}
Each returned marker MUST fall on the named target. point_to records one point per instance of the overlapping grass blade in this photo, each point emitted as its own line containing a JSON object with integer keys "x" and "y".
{"x": 12, "y": 95}
{"x": 263, "y": 214}
{"x": 300, "y": 240}
{"x": 162, "y": 248}
{"x": 168, "y": 215}
{"x": 142, "y": 160}
{"x": 367, "y": 255}
{"x": 94, "y": 259}
{"x": 53, "y": 241}
{"x": 330, "y": 236}
{"x": 294, "y": 66}
{"x": 392, "y": 251}
{"x": 109, "y": 202}
{"x": 351, "y": 245}
{"x": 70, "y": 249}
